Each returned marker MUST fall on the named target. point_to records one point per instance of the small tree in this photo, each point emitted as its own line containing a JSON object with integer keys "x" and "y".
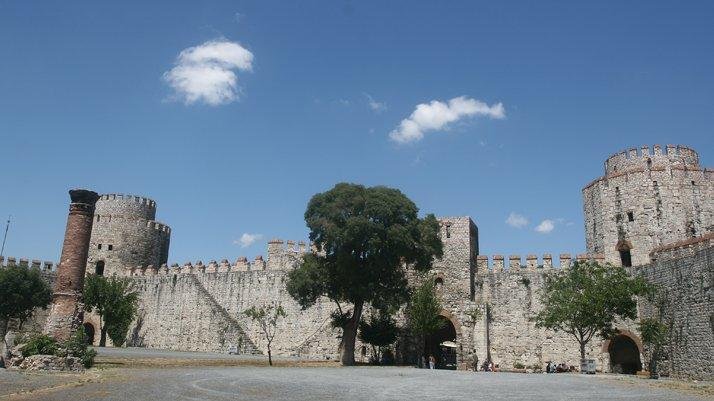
{"x": 116, "y": 303}
{"x": 267, "y": 317}
{"x": 364, "y": 238}
{"x": 653, "y": 330}
{"x": 21, "y": 291}
{"x": 586, "y": 299}
{"x": 423, "y": 312}
{"x": 654, "y": 334}
{"x": 379, "y": 331}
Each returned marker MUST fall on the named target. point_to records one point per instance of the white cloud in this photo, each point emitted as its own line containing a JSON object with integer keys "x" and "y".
{"x": 516, "y": 220}
{"x": 248, "y": 239}
{"x": 437, "y": 115}
{"x": 545, "y": 226}
{"x": 206, "y": 73}
{"x": 375, "y": 105}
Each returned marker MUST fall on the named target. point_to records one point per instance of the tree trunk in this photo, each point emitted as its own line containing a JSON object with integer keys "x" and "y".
{"x": 424, "y": 357}
{"x": 270, "y": 357}
{"x": 653, "y": 364}
{"x": 4, "y": 351}
{"x": 582, "y": 350}
{"x": 349, "y": 335}
{"x": 103, "y": 337}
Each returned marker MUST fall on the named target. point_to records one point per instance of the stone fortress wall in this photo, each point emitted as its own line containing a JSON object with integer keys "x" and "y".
{"x": 488, "y": 301}
{"x": 647, "y": 198}
{"x": 199, "y": 307}
{"x": 684, "y": 273}
{"x": 125, "y": 233}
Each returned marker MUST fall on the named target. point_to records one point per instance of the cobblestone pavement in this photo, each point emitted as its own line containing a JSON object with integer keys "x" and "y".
{"x": 319, "y": 383}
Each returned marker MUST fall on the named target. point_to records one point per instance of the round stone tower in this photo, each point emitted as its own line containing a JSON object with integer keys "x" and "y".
{"x": 647, "y": 198}
{"x": 125, "y": 233}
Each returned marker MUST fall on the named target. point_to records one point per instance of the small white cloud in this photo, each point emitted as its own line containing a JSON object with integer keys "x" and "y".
{"x": 437, "y": 115}
{"x": 376, "y": 106}
{"x": 206, "y": 73}
{"x": 545, "y": 226}
{"x": 344, "y": 102}
{"x": 248, "y": 239}
{"x": 516, "y": 220}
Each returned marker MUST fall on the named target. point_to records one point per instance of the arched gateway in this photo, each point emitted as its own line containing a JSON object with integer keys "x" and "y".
{"x": 442, "y": 344}
{"x": 89, "y": 333}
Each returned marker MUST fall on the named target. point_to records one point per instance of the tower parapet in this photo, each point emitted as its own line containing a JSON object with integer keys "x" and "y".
{"x": 646, "y": 157}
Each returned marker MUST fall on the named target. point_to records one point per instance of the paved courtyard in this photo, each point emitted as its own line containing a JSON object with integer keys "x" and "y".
{"x": 329, "y": 383}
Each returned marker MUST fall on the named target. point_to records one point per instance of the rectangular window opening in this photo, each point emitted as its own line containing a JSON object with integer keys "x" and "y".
{"x": 630, "y": 217}
{"x": 99, "y": 246}
{"x": 110, "y": 247}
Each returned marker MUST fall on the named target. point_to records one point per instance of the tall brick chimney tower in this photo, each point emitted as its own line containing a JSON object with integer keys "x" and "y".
{"x": 67, "y": 310}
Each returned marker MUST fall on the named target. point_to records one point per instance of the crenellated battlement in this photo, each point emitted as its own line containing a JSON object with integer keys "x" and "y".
{"x": 282, "y": 255}
{"x": 130, "y": 198}
{"x": 158, "y": 226}
{"x": 11, "y": 261}
{"x": 646, "y": 157}
{"x": 224, "y": 266}
{"x": 127, "y": 206}
{"x": 498, "y": 264}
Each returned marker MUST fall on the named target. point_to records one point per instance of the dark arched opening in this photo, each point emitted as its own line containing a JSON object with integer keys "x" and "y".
{"x": 89, "y": 333}
{"x": 441, "y": 345}
{"x": 99, "y": 268}
{"x": 624, "y": 355}
{"x": 625, "y": 256}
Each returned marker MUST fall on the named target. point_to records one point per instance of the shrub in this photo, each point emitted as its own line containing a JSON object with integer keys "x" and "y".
{"x": 77, "y": 346}
{"x": 519, "y": 365}
{"x": 39, "y": 344}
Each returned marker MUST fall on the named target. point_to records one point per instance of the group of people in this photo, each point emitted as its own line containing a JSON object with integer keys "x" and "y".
{"x": 551, "y": 367}
{"x": 486, "y": 366}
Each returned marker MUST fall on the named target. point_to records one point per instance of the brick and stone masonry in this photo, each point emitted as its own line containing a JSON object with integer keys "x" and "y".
{"x": 66, "y": 311}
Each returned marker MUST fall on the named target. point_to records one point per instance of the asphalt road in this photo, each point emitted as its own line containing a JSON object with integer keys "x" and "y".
{"x": 166, "y": 383}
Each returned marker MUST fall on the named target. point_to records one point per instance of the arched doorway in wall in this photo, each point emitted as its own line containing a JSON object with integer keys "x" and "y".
{"x": 624, "y": 355}
{"x": 441, "y": 345}
{"x": 89, "y": 333}
{"x": 99, "y": 268}
{"x": 624, "y": 248}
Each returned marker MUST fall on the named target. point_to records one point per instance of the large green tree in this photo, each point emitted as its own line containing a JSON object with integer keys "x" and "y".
{"x": 423, "y": 313}
{"x": 364, "y": 237}
{"x": 21, "y": 291}
{"x": 587, "y": 299}
{"x": 116, "y": 303}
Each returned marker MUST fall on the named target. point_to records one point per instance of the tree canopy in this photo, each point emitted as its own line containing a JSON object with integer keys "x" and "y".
{"x": 116, "y": 303}
{"x": 380, "y": 330}
{"x": 364, "y": 236}
{"x": 586, "y": 299}
{"x": 21, "y": 291}
{"x": 424, "y": 312}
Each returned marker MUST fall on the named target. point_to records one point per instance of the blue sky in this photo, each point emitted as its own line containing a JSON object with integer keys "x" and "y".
{"x": 90, "y": 96}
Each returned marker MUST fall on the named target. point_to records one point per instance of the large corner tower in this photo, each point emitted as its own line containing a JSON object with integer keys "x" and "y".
{"x": 647, "y": 198}
{"x": 126, "y": 234}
